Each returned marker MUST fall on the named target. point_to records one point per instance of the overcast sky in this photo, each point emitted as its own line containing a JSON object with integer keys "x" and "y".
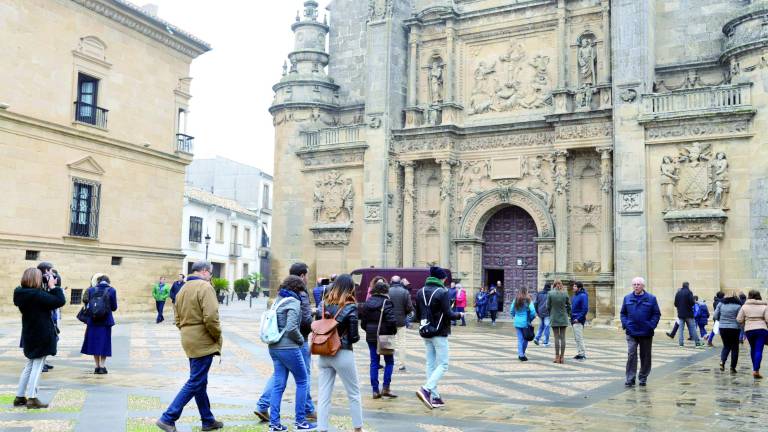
{"x": 232, "y": 84}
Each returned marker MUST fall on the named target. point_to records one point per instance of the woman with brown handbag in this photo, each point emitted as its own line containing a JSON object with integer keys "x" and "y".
{"x": 339, "y": 302}
{"x": 378, "y": 321}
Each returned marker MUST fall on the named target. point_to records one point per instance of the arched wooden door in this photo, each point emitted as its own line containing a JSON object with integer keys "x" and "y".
{"x": 510, "y": 251}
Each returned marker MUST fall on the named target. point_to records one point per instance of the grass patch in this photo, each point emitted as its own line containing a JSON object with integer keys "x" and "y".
{"x": 65, "y": 401}
{"x": 144, "y": 403}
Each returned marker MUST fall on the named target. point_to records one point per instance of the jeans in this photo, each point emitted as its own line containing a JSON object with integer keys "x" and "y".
{"x": 578, "y": 334}
{"x": 730, "y": 339}
{"x": 463, "y": 321}
{"x": 285, "y": 361}
{"x": 389, "y": 366}
{"x": 544, "y": 330}
{"x": 633, "y": 343}
{"x": 437, "y": 362}
{"x": 702, "y": 329}
{"x": 691, "y": 323}
{"x": 343, "y": 365}
{"x": 266, "y": 395}
{"x": 30, "y": 377}
{"x": 160, "y": 305}
{"x": 756, "y": 340}
{"x": 522, "y": 344}
{"x": 195, "y": 387}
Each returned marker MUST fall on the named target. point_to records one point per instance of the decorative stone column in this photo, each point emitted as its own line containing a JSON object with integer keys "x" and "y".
{"x": 561, "y": 211}
{"x": 408, "y": 213}
{"x": 446, "y": 196}
{"x": 413, "y": 66}
{"x": 449, "y": 71}
{"x": 562, "y": 46}
{"x": 606, "y": 185}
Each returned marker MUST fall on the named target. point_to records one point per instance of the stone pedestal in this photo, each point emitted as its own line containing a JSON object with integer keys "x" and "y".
{"x": 414, "y": 117}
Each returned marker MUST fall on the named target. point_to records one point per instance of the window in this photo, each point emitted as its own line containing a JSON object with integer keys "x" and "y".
{"x": 219, "y": 232}
{"x": 77, "y": 296}
{"x": 84, "y": 219}
{"x": 116, "y": 261}
{"x": 264, "y": 236}
{"x": 32, "y": 255}
{"x": 245, "y": 270}
{"x": 195, "y": 229}
{"x": 265, "y": 197}
{"x": 86, "y": 106}
{"x": 246, "y": 237}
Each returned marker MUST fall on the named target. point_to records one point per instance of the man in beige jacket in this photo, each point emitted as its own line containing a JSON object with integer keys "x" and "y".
{"x": 197, "y": 317}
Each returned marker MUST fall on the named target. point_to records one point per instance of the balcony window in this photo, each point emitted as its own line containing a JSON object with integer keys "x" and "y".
{"x": 84, "y": 217}
{"x": 86, "y": 106}
{"x": 195, "y": 229}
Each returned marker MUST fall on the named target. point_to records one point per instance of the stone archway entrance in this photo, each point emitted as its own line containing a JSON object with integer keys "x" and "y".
{"x": 510, "y": 252}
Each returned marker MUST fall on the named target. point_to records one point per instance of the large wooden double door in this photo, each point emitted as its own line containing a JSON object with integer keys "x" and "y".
{"x": 510, "y": 252}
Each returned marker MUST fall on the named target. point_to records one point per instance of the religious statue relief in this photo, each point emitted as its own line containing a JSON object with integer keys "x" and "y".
{"x": 586, "y": 57}
{"x": 532, "y": 168}
{"x": 481, "y": 99}
{"x": 695, "y": 179}
{"x": 472, "y": 176}
{"x": 436, "y": 81}
{"x": 333, "y": 199}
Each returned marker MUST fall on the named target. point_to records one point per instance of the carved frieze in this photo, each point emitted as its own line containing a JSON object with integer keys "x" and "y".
{"x": 695, "y": 178}
{"x": 473, "y": 216}
{"x": 332, "y": 159}
{"x": 586, "y": 267}
{"x": 584, "y": 131}
{"x": 697, "y": 130}
{"x": 333, "y": 198}
{"x": 331, "y": 234}
{"x": 537, "y": 182}
{"x": 696, "y": 223}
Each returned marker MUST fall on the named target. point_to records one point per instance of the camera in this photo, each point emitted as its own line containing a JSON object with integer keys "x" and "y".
{"x": 325, "y": 282}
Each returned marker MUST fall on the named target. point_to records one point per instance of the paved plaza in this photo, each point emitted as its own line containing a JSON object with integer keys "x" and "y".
{"x": 487, "y": 389}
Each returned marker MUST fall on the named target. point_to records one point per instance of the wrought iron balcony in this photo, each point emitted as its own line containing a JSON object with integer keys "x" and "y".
{"x": 91, "y": 114}
{"x": 235, "y": 250}
{"x": 709, "y": 100}
{"x": 185, "y": 143}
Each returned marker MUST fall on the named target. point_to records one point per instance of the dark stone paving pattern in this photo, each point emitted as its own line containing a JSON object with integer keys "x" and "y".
{"x": 487, "y": 389}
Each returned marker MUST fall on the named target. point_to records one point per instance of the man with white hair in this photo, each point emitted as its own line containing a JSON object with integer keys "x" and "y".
{"x": 640, "y": 315}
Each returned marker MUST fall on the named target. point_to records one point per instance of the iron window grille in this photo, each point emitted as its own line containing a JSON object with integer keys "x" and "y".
{"x": 195, "y": 229}
{"x": 84, "y": 217}
{"x": 76, "y": 296}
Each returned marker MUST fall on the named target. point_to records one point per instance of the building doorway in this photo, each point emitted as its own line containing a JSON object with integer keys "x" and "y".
{"x": 510, "y": 253}
{"x": 493, "y": 276}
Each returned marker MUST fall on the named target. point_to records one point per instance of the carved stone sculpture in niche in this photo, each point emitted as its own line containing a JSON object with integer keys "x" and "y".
{"x": 560, "y": 173}
{"x": 379, "y": 9}
{"x": 436, "y": 81}
{"x": 697, "y": 179}
{"x": 586, "y": 57}
{"x": 473, "y": 176}
{"x": 333, "y": 198}
{"x": 525, "y": 83}
{"x": 532, "y": 168}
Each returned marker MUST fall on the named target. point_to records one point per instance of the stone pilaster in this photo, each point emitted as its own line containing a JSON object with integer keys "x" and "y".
{"x": 413, "y": 66}
{"x": 446, "y": 193}
{"x": 409, "y": 193}
{"x": 562, "y": 46}
{"x": 605, "y": 70}
{"x": 449, "y": 73}
{"x": 561, "y": 211}
{"x": 606, "y": 186}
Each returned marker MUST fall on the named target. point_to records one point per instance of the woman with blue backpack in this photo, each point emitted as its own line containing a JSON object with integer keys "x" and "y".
{"x": 523, "y": 312}
{"x": 100, "y": 301}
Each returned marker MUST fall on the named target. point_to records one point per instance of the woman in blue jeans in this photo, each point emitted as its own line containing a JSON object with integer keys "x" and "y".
{"x": 287, "y": 355}
{"x": 523, "y": 312}
{"x": 378, "y": 317}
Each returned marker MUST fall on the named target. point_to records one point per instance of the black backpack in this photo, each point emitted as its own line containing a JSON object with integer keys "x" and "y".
{"x": 98, "y": 305}
{"x": 427, "y": 328}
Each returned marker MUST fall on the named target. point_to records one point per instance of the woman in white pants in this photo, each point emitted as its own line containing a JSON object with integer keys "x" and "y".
{"x": 38, "y": 334}
{"x": 340, "y": 303}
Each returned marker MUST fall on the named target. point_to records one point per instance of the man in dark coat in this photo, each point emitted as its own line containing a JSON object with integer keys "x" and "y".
{"x": 402, "y": 306}
{"x": 433, "y": 307}
{"x": 176, "y": 287}
{"x": 579, "y": 312}
{"x": 684, "y": 303}
{"x": 640, "y": 315}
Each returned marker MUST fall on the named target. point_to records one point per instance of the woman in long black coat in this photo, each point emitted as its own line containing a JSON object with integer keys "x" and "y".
{"x": 38, "y": 333}
{"x": 98, "y": 334}
{"x": 369, "y": 321}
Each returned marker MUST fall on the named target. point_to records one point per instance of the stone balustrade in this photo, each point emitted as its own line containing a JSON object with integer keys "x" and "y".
{"x": 699, "y": 101}
{"x": 333, "y": 136}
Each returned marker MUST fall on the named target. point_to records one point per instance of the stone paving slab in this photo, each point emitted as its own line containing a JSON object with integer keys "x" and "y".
{"x": 487, "y": 389}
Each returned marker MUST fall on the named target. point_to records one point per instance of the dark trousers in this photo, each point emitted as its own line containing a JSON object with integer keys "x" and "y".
{"x": 160, "y": 305}
{"x": 493, "y": 313}
{"x": 702, "y": 328}
{"x": 463, "y": 321}
{"x": 195, "y": 387}
{"x": 730, "y": 339}
{"x": 756, "y": 340}
{"x": 633, "y": 343}
{"x": 389, "y": 366}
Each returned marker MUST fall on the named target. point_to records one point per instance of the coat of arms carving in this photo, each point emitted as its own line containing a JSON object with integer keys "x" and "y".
{"x": 333, "y": 198}
{"x": 695, "y": 178}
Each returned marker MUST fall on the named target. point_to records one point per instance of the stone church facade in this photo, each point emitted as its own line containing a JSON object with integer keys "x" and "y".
{"x": 528, "y": 140}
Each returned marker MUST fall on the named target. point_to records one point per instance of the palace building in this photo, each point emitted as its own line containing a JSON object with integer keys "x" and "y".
{"x": 528, "y": 140}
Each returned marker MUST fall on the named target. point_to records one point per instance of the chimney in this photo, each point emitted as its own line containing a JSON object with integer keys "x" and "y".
{"x": 150, "y": 9}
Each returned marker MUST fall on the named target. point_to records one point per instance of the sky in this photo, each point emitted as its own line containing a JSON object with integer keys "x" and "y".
{"x": 232, "y": 83}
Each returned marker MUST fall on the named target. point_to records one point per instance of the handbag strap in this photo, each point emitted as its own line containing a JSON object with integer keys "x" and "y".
{"x": 381, "y": 316}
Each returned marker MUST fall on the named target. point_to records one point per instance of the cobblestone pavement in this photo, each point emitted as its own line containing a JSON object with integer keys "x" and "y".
{"x": 487, "y": 389}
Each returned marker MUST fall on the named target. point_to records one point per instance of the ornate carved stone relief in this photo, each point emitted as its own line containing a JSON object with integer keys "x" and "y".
{"x": 586, "y": 267}
{"x": 631, "y": 202}
{"x": 427, "y": 221}
{"x": 379, "y": 9}
{"x": 373, "y": 212}
{"x": 331, "y": 234}
{"x": 700, "y": 130}
{"x": 584, "y": 131}
{"x": 476, "y": 214}
{"x": 474, "y": 178}
{"x": 696, "y": 223}
{"x": 517, "y": 80}
{"x": 537, "y": 182}
{"x": 586, "y": 58}
{"x": 333, "y": 199}
{"x": 332, "y": 159}
{"x": 695, "y": 178}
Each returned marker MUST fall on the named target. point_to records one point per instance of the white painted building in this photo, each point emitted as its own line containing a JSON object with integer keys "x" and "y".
{"x": 233, "y": 234}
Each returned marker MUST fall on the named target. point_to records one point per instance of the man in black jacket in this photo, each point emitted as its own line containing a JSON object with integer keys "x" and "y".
{"x": 684, "y": 303}
{"x": 433, "y": 307}
{"x": 402, "y": 307}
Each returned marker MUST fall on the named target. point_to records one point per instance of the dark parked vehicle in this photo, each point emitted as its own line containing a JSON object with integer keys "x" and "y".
{"x": 416, "y": 276}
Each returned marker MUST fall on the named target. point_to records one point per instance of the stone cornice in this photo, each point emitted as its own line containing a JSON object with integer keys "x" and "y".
{"x": 88, "y": 247}
{"x": 131, "y": 16}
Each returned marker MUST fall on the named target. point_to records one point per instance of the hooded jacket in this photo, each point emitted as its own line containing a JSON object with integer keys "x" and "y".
{"x": 753, "y": 315}
{"x": 38, "y": 334}
{"x": 580, "y": 306}
{"x": 402, "y": 305}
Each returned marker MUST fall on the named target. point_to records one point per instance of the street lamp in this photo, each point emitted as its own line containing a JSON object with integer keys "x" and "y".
{"x": 207, "y": 242}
